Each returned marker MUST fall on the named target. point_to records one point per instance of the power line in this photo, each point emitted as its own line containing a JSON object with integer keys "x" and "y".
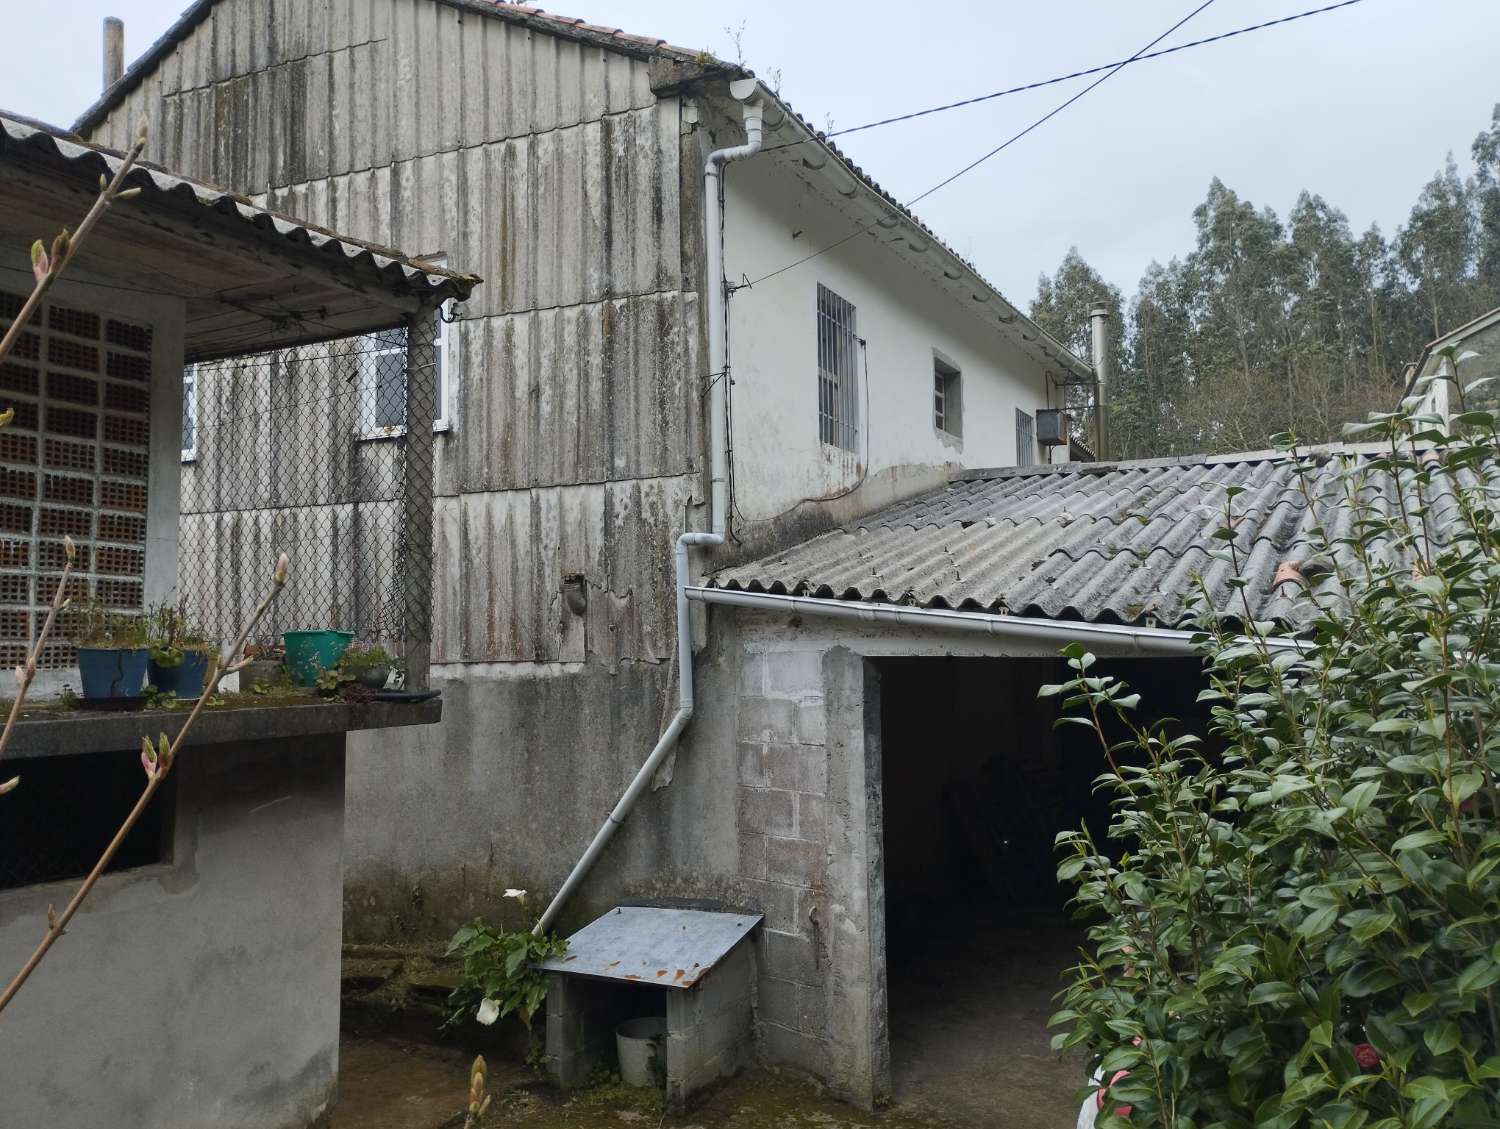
{"x": 1139, "y": 58}
{"x": 972, "y": 165}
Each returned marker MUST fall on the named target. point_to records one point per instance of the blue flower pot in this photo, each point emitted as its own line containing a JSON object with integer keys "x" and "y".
{"x": 112, "y": 672}
{"x": 185, "y": 680}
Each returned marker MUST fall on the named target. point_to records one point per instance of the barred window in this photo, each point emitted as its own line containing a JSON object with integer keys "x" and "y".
{"x": 838, "y": 369}
{"x": 1025, "y": 439}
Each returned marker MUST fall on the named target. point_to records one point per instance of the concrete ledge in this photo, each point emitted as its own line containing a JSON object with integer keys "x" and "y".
{"x": 84, "y": 732}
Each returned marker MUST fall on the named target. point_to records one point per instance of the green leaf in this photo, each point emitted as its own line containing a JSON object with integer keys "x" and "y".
{"x": 1361, "y": 796}
{"x": 1478, "y": 976}
{"x": 1442, "y": 1037}
{"x": 1318, "y": 922}
{"x": 1417, "y": 839}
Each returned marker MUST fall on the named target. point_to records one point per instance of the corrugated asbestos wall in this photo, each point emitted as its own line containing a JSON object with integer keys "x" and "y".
{"x": 549, "y": 168}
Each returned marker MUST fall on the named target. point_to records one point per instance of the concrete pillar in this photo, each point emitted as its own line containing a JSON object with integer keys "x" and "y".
{"x": 416, "y": 557}
{"x": 114, "y": 50}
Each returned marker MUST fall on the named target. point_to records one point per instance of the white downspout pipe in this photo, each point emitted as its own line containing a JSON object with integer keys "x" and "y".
{"x": 665, "y": 745}
{"x": 718, "y": 301}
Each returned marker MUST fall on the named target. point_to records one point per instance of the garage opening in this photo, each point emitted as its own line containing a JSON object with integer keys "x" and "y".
{"x": 976, "y": 784}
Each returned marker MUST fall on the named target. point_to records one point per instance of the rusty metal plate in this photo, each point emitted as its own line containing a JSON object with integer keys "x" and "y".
{"x": 673, "y": 948}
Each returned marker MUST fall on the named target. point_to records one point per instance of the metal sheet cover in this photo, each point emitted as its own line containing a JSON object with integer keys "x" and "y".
{"x": 673, "y": 948}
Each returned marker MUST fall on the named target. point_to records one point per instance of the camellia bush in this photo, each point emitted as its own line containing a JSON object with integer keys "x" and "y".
{"x": 1295, "y": 920}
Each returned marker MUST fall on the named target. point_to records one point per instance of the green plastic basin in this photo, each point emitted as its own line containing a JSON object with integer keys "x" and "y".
{"x": 309, "y": 653}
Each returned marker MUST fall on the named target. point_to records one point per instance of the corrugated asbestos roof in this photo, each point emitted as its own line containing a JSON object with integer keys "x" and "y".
{"x": 1104, "y": 543}
{"x": 22, "y": 133}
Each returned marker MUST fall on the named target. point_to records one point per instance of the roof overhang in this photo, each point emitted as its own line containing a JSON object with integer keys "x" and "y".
{"x": 250, "y": 279}
{"x": 795, "y": 145}
{"x": 1426, "y": 364}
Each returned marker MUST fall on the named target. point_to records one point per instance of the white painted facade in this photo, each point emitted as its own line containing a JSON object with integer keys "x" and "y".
{"x": 773, "y": 216}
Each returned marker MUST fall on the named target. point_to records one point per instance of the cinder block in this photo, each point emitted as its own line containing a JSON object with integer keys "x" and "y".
{"x": 784, "y": 1046}
{"x": 795, "y": 674}
{"x": 812, "y": 1010}
{"x": 752, "y": 856}
{"x": 800, "y": 768}
{"x": 795, "y": 862}
{"x": 683, "y": 1010}
{"x": 811, "y": 725}
{"x": 790, "y": 957}
{"x": 752, "y": 680}
{"x": 778, "y": 1002}
{"x": 812, "y": 818}
{"x": 722, "y": 1031}
{"x": 775, "y": 902}
{"x": 767, "y": 719}
{"x": 726, "y": 985}
{"x": 768, "y": 811}
{"x": 753, "y": 769}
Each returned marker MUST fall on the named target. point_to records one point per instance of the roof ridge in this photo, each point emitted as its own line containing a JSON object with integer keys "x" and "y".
{"x": 525, "y": 15}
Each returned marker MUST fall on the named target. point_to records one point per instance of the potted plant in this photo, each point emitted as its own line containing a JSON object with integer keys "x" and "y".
{"x": 371, "y": 666}
{"x": 266, "y": 668}
{"x": 179, "y": 651}
{"x": 310, "y": 652}
{"x": 112, "y": 651}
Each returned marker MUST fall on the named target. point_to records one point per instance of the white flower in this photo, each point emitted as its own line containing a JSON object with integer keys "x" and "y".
{"x": 519, "y": 895}
{"x": 489, "y": 1011}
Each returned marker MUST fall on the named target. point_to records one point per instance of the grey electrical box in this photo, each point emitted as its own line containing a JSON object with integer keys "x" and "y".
{"x": 1052, "y": 425}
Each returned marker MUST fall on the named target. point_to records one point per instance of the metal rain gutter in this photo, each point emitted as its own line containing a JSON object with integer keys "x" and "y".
{"x": 1158, "y": 641}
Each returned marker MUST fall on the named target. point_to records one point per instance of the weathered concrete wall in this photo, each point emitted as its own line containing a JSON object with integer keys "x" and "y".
{"x": 806, "y": 698}
{"x": 509, "y": 789}
{"x": 774, "y": 216}
{"x": 201, "y": 993}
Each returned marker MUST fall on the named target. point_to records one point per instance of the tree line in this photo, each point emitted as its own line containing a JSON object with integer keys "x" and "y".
{"x": 1272, "y": 325}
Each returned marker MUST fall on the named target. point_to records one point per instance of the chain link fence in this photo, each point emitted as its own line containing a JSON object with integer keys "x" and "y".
{"x": 324, "y": 452}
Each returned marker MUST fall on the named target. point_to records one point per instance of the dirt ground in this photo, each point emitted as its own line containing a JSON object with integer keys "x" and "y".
{"x": 384, "y": 1084}
{"x": 968, "y": 1023}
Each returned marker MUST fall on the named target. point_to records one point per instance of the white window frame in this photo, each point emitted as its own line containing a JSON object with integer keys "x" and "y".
{"x": 369, "y": 389}
{"x": 190, "y": 409}
{"x": 447, "y": 349}
{"x": 947, "y": 397}
{"x": 1026, "y": 451}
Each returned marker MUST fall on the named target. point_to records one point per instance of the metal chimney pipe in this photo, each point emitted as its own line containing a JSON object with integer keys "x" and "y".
{"x": 1099, "y": 324}
{"x": 114, "y": 50}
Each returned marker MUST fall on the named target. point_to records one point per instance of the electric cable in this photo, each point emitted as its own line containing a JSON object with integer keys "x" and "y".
{"x": 1139, "y": 58}
{"x": 902, "y": 211}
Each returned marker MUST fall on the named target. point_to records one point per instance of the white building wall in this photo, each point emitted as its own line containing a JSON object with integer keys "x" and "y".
{"x": 772, "y": 218}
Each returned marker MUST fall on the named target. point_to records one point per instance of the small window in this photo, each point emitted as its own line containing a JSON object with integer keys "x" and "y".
{"x": 947, "y": 398}
{"x": 1025, "y": 439}
{"x": 838, "y": 372}
{"x": 382, "y": 384}
{"x": 189, "y": 413}
{"x": 382, "y": 397}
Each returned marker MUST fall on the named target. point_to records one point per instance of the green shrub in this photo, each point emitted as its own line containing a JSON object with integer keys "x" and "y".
{"x": 500, "y": 974}
{"x": 1303, "y": 929}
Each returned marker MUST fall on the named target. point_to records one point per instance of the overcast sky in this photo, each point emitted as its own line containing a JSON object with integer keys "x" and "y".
{"x": 1359, "y": 105}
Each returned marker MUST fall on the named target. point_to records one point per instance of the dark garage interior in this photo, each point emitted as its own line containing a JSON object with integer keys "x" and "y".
{"x": 976, "y": 784}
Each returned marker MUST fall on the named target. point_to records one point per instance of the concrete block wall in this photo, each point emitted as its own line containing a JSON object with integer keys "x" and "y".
{"x": 782, "y": 801}
{"x": 709, "y": 1026}
{"x": 808, "y": 808}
